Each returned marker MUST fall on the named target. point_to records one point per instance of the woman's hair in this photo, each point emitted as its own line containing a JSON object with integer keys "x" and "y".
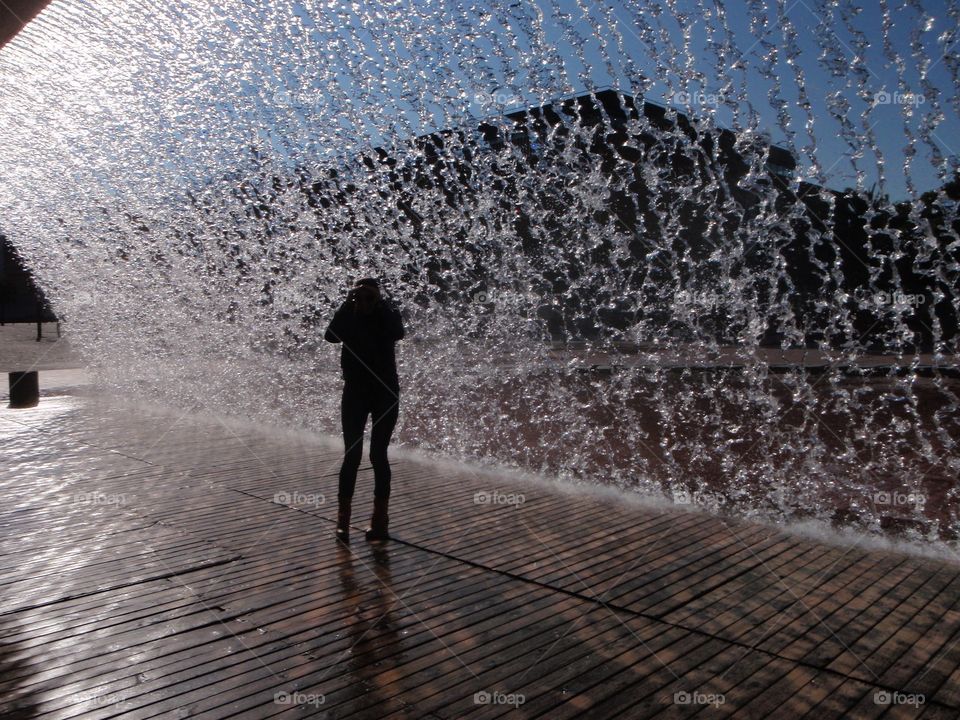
{"x": 369, "y": 282}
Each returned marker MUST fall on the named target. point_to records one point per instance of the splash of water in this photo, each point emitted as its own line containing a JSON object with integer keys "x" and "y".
{"x": 601, "y": 282}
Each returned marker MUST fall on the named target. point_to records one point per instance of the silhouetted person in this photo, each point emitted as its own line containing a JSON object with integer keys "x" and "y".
{"x": 368, "y": 326}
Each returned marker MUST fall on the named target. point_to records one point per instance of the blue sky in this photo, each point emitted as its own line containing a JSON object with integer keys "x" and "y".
{"x": 845, "y": 96}
{"x": 316, "y": 78}
{"x": 827, "y": 46}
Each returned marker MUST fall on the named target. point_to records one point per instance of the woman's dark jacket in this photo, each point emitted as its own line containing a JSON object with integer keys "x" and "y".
{"x": 367, "y": 356}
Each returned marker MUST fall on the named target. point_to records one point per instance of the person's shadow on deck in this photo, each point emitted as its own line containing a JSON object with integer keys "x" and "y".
{"x": 19, "y": 697}
{"x": 371, "y": 629}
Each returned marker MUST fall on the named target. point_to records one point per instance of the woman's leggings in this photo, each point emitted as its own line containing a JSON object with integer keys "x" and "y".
{"x": 383, "y": 406}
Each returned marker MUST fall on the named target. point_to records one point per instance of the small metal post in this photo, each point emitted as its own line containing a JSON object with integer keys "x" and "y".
{"x": 24, "y": 389}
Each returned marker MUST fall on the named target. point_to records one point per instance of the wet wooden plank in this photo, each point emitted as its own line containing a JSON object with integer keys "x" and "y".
{"x": 583, "y": 605}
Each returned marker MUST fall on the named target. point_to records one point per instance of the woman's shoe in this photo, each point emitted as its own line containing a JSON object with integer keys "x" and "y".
{"x": 343, "y": 521}
{"x": 379, "y": 520}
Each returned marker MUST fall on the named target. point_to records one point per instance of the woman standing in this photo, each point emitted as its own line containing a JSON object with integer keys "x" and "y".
{"x": 367, "y": 326}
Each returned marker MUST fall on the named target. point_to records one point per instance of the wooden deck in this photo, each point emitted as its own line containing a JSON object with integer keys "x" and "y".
{"x": 171, "y": 566}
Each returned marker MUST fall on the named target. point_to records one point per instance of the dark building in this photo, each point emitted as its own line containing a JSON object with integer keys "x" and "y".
{"x": 710, "y": 190}
{"x": 21, "y": 301}
{"x": 15, "y": 14}
{"x": 604, "y": 180}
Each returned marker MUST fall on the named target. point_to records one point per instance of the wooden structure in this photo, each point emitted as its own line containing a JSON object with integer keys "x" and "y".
{"x": 159, "y": 564}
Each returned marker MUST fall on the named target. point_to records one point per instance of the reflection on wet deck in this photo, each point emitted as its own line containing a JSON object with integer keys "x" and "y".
{"x": 166, "y": 565}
